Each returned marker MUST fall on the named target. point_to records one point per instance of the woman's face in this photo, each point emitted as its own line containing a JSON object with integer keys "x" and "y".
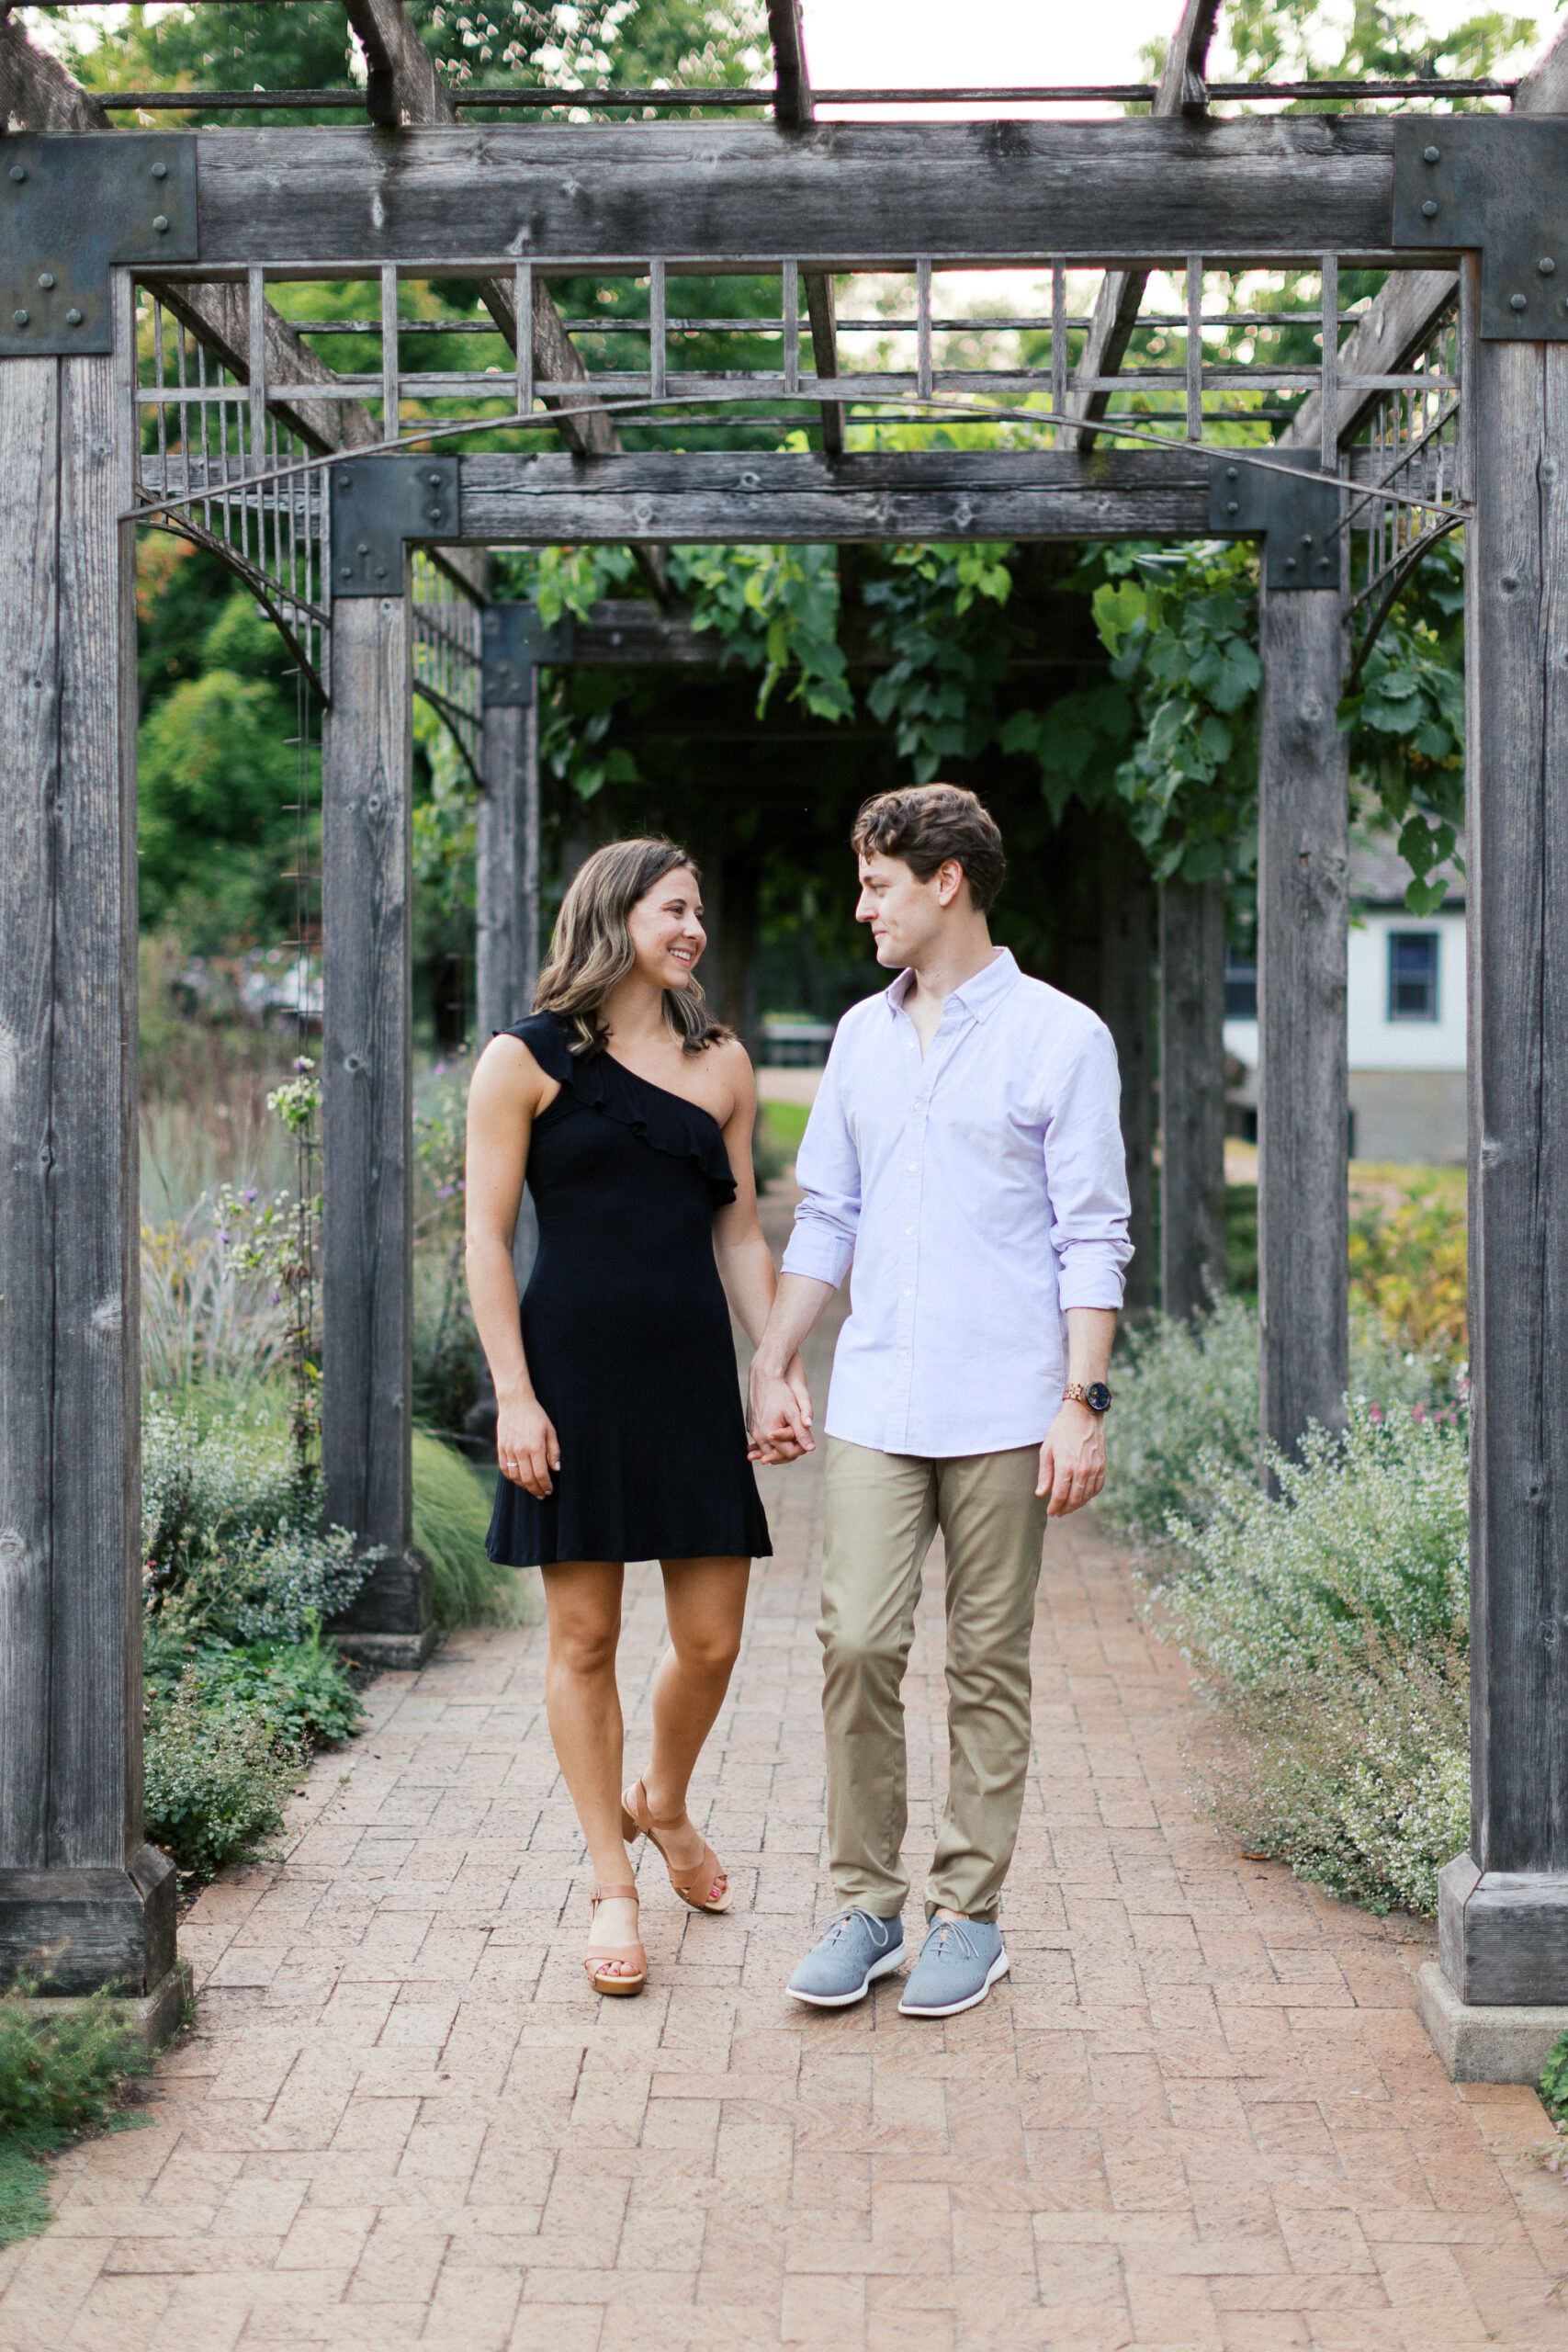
{"x": 666, "y": 927}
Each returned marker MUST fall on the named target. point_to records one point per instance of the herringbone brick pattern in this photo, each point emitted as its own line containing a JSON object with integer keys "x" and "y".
{"x": 1199, "y": 2114}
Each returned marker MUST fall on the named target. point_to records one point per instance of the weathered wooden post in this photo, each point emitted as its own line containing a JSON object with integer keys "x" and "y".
{"x": 507, "y": 852}
{"x": 1127, "y": 1005}
{"x": 1192, "y": 1094}
{"x": 77, "y": 1878}
{"x": 377, "y": 505}
{"x": 1304, "y": 793}
{"x": 1303, "y": 911}
{"x": 1504, "y": 1905}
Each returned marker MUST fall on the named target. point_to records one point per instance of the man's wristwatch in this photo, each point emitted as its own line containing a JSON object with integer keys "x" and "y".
{"x": 1096, "y": 1395}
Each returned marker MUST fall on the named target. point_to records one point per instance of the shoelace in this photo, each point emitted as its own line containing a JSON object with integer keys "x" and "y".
{"x": 878, "y": 1927}
{"x": 950, "y": 1927}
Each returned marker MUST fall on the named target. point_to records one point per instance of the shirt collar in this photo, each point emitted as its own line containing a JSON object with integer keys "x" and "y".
{"x": 979, "y": 995}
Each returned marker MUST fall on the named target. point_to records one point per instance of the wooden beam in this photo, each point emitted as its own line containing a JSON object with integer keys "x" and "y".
{"x": 1179, "y": 91}
{"x": 842, "y": 194}
{"x": 72, "y": 1860}
{"x": 1192, "y": 1094}
{"x": 1504, "y": 1906}
{"x": 1303, "y": 910}
{"x": 932, "y": 495}
{"x": 366, "y": 1123}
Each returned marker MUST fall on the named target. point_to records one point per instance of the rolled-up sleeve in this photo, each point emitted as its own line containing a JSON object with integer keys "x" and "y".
{"x": 1085, "y": 1174}
{"x": 826, "y": 1168}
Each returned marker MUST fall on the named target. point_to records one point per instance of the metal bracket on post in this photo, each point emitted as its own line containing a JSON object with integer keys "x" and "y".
{"x": 71, "y": 208}
{"x": 377, "y": 504}
{"x": 1498, "y": 183}
{"x": 1298, "y": 521}
{"x": 514, "y": 641}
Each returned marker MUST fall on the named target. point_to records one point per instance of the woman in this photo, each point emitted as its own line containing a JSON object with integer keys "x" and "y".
{"x": 619, "y": 1431}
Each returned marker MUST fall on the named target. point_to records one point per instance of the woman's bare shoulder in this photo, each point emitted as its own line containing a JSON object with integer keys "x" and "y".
{"x": 729, "y": 1061}
{"x": 507, "y": 1075}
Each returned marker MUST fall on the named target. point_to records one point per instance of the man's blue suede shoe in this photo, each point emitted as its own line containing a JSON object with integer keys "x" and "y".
{"x": 959, "y": 1962}
{"x": 857, "y": 1948}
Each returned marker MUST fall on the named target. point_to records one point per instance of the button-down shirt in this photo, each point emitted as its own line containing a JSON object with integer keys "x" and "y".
{"x": 981, "y": 1190}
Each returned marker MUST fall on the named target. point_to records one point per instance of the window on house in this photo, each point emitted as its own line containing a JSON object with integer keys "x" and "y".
{"x": 1241, "y": 987}
{"x": 1413, "y": 974}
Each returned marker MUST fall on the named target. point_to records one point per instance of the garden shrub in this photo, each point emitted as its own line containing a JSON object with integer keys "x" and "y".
{"x": 451, "y": 1519}
{"x": 1187, "y": 1406}
{"x": 230, "y": 1534}
{"x": 304, "y": 1691}
{"x": 216, "y": 1776}
{"x": 1327, "y": 1626}
{"x": 60, "y": 2075}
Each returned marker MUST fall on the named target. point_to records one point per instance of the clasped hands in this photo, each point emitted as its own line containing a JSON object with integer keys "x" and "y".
{"x": 779, "y": 1419}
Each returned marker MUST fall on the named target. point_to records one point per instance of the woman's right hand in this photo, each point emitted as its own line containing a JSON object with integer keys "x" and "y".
{"x": 526, "y": 1445}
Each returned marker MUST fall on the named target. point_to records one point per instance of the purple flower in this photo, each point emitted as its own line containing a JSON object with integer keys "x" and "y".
{"x": 301, "y": 1063}
{"x": 249, "y": 1195}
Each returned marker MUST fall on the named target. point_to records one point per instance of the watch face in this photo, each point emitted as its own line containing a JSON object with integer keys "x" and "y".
{"x": 1097, "y": 1396}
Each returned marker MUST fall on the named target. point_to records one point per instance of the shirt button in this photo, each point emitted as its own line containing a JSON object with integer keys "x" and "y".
{"x": 909, "y": 1229}
{"x": 914, "y": 1166}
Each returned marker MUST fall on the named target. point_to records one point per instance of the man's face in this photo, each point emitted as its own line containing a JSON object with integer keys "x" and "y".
{"x": 905, "y": 915}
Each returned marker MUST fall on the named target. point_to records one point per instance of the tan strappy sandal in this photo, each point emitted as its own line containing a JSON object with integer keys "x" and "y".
{"x": 594, "y": 1962}
{"x": 690, "y": 1884}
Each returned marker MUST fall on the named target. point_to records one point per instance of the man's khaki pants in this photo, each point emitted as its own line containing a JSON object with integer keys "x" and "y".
{"x": 882, "y": 1511}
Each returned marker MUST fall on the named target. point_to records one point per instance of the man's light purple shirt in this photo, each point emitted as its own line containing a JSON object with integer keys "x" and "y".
{"x": 981, "y": 1192}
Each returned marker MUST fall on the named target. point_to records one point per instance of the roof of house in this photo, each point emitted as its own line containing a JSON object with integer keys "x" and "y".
{"x": 1379, "y": 875}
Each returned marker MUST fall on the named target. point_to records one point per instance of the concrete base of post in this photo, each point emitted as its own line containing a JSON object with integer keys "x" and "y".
{"x": 393, "y": 1653}
{"x": 390, "y": 1622}
{"x": 1485, "y": 2045}
{"x": 1503, "y": 1935}
{"x": 156, "y": 2017}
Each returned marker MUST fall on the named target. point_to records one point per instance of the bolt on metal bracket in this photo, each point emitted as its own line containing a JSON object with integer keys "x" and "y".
{"x": 377, "y": 504}
{"x": 514, "y": 640}
{"x": 71, "y": 209}
{"x": 1297, "y": 521}
{"x": 1498, "y": 183}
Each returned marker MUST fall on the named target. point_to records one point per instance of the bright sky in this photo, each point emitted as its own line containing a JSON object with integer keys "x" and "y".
{"x": 908, "y": 44}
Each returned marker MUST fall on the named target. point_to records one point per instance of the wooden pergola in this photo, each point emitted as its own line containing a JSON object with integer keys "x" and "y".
{"x": 145, "y": 379}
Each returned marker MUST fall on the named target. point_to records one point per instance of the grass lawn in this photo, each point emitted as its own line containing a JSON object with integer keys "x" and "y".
{"x": 786, "y": 1122}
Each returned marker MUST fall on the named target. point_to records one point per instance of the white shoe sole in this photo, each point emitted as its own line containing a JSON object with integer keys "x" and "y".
{"x": 999, "y": 1967}
{"x": 883, "y": 1967}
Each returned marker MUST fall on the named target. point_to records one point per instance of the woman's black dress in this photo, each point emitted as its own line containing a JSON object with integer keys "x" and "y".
{"x": 626, "y": 1328}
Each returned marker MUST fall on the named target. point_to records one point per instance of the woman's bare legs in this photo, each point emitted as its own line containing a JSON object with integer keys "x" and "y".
{"x": 582, "y": 1598}
{"x": 705, "y": 1606}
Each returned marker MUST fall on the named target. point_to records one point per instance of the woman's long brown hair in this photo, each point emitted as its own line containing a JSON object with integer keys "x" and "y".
{"x": 591, "y": 951}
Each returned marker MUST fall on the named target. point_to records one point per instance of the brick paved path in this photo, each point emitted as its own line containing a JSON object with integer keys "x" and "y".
{"x": 1199, "y": 2114}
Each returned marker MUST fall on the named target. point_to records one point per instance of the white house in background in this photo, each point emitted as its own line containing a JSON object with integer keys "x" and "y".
{"x": 1406, "y": 1019}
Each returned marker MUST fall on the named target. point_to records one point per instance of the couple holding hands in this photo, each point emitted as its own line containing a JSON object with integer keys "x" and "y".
{"x": 965, "y": 1150}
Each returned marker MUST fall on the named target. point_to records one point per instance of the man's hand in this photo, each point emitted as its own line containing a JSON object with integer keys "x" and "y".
{"x": 780, "y": 1417}
{"x": 1072, "y": 1459}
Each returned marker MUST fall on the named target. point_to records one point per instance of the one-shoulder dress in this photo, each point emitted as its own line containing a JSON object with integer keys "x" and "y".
{"x": 626, "y": 1328}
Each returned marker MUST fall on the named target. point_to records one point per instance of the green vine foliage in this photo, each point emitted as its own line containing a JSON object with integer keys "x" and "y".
{"x": 1406, "y": 721}
{"x": 1181, "y": 633}
{"x": 936, "y": 612}
{"x": 1171, "y": 733}
{"x": 776, "y": 609}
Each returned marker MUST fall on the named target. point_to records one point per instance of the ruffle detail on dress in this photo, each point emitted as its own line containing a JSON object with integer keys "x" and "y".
{"x": 666, "y": 1122}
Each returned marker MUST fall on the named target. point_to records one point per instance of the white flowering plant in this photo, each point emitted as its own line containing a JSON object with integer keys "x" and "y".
{"x": 1326, "y": 1624}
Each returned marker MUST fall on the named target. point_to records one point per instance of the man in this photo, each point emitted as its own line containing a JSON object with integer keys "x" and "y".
{"x": 965, "y": 1150}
